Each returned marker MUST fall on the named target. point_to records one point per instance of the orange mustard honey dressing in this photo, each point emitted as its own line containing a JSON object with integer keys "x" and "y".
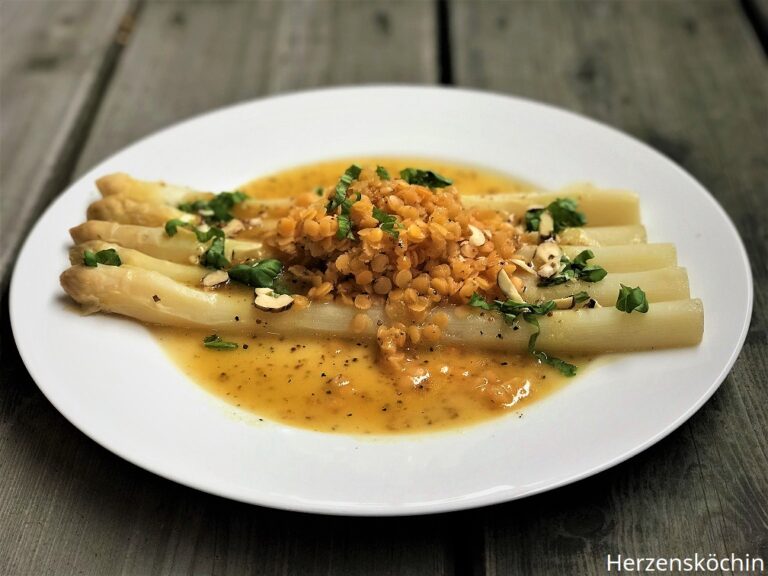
{"x": 335, "y": 385}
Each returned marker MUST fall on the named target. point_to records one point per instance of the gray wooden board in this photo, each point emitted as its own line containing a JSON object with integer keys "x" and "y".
{"x": 688, "y": 78}
{"x": 53, "y": 57}
{"x": 71, "y": 506}
{"x": 180, "y": 63}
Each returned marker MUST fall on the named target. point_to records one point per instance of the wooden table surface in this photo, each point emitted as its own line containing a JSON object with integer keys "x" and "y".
{"x": 81, "y": 79}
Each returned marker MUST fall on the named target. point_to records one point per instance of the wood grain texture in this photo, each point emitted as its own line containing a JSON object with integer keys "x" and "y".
{"x": 180, "y": 63}
{"x": 53, "y": 59}
{"x": 72, "y": 507}
{"x": 688, "y": 78}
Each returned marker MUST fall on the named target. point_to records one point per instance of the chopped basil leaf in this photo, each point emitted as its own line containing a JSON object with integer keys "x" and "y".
{"x": 345, "y": 227}
{"x": 428, "y": 178}
{"x": 576, "y": 269}
{"x": 382, "y": 173}
{"x": 172, "y": 227}
{"x": 108, "y": 257}
{"x": 212, "y": 232}
{"x": 479, "y": 302}
{"x": 215, "y": 342}
{"x": 217, "y": 209}
{"x": 193, "y": 207}
{"x": 340, "y": 200}
{"x": 559, "y": 364}
{"x": 391, "y": 229}
{"x": 581, "y": 258}
{"x": 631, "y": 299}
{"x": 564, "y": 215}
{"x": 214, "y": 257}
{"x": 561, "y": 277}
{"x": 580, "y": 297}
{"x": 533, "y": 219}
{"x": 340, "y": 195}
{"x": 562, "y": 366}
{"x": 259, "y": 274}
{"x": 592, "y": 273}
{"x": 387, "y": 222}
{"x": 319, "y": 190}
{"x": 89, "y": 258}
{"x": 512, "y": 311}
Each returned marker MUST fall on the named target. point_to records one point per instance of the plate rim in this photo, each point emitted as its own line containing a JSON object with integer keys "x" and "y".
{"x": 402, "y": 509}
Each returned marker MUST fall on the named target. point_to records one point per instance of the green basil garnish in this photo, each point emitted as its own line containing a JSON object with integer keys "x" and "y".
{"x": 387, "y": 222}
{"x": 259, "y": 274}
{"x": 564, "y": 215}
{"x": 428, "y": 178}
{"x": 214, "y": 257}
{"x": 215, "y": 342}
{"x": 340, "y": 194}
{"x": 217, "y": 209}
{"x": 512, "y": 312}
{"x": 576, "y": 269}
{"x": 632, "y": 300}
{"x": 108, "y": 257}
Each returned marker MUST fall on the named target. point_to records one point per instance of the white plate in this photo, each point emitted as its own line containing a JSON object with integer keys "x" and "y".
{"x": 110, "y": 379}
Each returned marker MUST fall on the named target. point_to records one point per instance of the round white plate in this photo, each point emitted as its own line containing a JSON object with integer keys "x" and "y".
{"x": 111, "y": 380}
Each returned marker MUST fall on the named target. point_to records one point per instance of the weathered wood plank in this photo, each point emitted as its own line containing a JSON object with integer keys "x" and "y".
{"x": 53, "y": 59}
{"x": 688, "y": 78}
{"x": 181, "y": 63}
{"x": 74, "y": 507}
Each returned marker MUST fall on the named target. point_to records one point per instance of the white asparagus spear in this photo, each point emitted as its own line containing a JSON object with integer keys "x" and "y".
{"x": 603, "y": 235}
{"x": 155, "y": 299}
{"x": 126, "y": 210}
{"x": 668, "y": 285}
{"x": 671, "y": 324}
{"x": 122, "y": 184}
{"x": 659, "y": 285}
{"x": 183, "y": 247}
{"x": 147, "y": 191}
{"x": 140, "y": 195}
{"x": 629, "y": 258}
{"x": 185, "y": 273}
{"x": 601, "y": 207}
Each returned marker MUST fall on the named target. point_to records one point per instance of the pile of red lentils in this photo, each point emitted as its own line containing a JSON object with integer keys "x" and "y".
{"x": 425, "y": 261}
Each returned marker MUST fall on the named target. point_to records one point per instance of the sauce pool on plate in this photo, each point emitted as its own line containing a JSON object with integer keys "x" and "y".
{"x": 335, "y": 385}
